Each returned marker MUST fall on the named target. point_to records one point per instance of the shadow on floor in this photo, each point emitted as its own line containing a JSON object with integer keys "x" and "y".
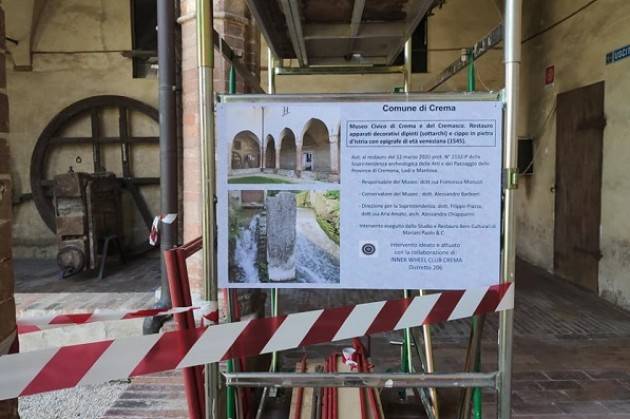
{"x": 140, "y": 274}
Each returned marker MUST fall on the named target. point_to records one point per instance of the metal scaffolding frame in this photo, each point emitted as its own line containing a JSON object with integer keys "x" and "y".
{"x": 499, "y": 380}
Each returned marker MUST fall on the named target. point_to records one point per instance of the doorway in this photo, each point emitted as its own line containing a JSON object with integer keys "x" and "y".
{"x": 580, "y": 123}
{"x": 307, "y": 161}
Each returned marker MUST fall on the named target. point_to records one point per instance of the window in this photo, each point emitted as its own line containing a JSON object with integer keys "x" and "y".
{"x": 144, "y": 36}
{"x": 419, "y": 49}
{"x": 525, "y": 156}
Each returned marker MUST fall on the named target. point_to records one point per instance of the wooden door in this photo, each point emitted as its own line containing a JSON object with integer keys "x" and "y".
{"x": 580, "y": 125}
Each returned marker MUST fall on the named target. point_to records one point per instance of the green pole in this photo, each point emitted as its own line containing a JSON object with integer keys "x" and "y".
{"x": 471, "y": 71}
{"x": 476, "y": 396}
{"x": 231, "y": 396}
{"x": 232, "y": 81}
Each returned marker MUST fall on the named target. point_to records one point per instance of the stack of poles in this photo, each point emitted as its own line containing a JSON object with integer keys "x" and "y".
{"x": 297, "y": 414}
{"x": 177, "y": 274}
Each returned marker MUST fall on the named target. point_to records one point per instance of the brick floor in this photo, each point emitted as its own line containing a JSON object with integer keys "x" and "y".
{"x": 39, "y": 287}
{"x": 152, "y": 396}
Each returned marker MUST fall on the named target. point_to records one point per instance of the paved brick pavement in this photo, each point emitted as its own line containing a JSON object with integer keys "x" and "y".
{"x": 152, "y": 396}
{"x": 39, "y": 287}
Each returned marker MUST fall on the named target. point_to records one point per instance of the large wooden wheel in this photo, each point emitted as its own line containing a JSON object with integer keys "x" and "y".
{"x": 92, "y": 108}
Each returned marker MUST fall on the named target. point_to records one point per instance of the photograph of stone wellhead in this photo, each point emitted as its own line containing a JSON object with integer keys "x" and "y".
{"x": 284, "y": 236}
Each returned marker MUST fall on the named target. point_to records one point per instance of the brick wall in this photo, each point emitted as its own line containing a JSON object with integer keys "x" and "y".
{"x": 8, "y": 408}
{"x": 233, "y": 22}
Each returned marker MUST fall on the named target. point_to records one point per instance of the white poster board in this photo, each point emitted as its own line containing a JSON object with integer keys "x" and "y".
{"x": 380, "y": 195}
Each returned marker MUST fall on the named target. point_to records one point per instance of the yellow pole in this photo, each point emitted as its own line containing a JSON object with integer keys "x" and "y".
{"x": 205, "y": 57}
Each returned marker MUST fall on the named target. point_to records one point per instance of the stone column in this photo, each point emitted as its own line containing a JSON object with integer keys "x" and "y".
{"x": 334, "y": 154}
{"x": 277, "y": 160}
{"x": 263, "y": 155}
{"x": 281, "y": 235}
{"x": 8, "y": 339}
{"x": 298, "y": 159}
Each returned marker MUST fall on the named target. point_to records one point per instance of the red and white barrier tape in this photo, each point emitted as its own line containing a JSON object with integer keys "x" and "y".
{"x": 37, "y": 323}
{"x": 154, "y": 233}
{"x": 93, "y": 363}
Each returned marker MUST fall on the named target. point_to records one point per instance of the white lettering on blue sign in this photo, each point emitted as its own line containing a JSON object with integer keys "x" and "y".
{"x": 618, "y": 54}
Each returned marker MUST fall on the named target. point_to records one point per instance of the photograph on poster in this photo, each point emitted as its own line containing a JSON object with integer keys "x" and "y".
{"x": 303, "y": 150}
{"x": 284, "y": 236}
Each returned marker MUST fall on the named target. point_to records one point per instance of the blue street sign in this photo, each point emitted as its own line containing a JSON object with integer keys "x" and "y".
{"x": 618, "y": 54}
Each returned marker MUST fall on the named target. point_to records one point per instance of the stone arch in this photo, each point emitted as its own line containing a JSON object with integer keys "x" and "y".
{"x": 270, "y": 152}
{"x": 245, "y": 151}
{"x": 316, "y": 147}
{"x": 288, "y": 150}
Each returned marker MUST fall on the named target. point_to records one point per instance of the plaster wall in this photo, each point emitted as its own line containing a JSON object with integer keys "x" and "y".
{"x": 76, "y": 53}
{"x": 577, "y": 48}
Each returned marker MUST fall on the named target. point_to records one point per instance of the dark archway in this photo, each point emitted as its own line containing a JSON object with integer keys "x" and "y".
{"x": 270, "y": 153}
{"x": 245, "y": 153}
{"x": 316, "y": 147}
{"x": 288, "y": 150}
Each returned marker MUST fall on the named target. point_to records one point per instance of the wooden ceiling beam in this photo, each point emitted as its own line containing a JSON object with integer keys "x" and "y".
{"x": 293, "y": 16}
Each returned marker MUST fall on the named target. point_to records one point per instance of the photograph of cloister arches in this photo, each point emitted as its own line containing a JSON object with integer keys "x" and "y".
{"x": 283, "y": 237}
{"x": 304, "y": 150}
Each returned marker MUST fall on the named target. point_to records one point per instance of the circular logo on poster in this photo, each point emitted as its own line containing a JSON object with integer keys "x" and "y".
{"x": 368, "y": 249}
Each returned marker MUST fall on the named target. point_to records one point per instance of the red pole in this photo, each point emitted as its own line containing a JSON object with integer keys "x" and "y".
{"x": 195, "y": 406}
{"x": 297, "y": 414}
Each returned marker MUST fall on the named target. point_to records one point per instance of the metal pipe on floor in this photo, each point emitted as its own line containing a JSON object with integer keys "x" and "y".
{"x": 512, "y": 54}
{"x": 168, "y": 148}
{"x": 378, "y": 380}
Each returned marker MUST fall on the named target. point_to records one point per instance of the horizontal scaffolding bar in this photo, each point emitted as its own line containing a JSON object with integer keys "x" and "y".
{"x": 363, "y": 97}
{"x": 330, "y": 70}
{"x": 291, "y": 380}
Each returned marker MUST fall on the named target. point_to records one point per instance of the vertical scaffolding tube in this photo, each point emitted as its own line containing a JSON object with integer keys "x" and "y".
{"x": 407, "y": 66}
{"x": 271, "y": 89}
{"x": 205, "y": 59}
{"x": 426, "y": 329}
{"x": 512, "y": 51}
{"x": 271, "y": 73}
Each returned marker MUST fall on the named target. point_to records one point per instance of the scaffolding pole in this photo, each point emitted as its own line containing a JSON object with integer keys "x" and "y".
{"x": 205, "y": 57}
{"x": 512, "y": 54}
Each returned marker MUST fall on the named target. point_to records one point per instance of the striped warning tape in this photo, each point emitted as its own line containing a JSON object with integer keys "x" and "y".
{"x": 93, "y": 363}
{"x": 37, "y": 323}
